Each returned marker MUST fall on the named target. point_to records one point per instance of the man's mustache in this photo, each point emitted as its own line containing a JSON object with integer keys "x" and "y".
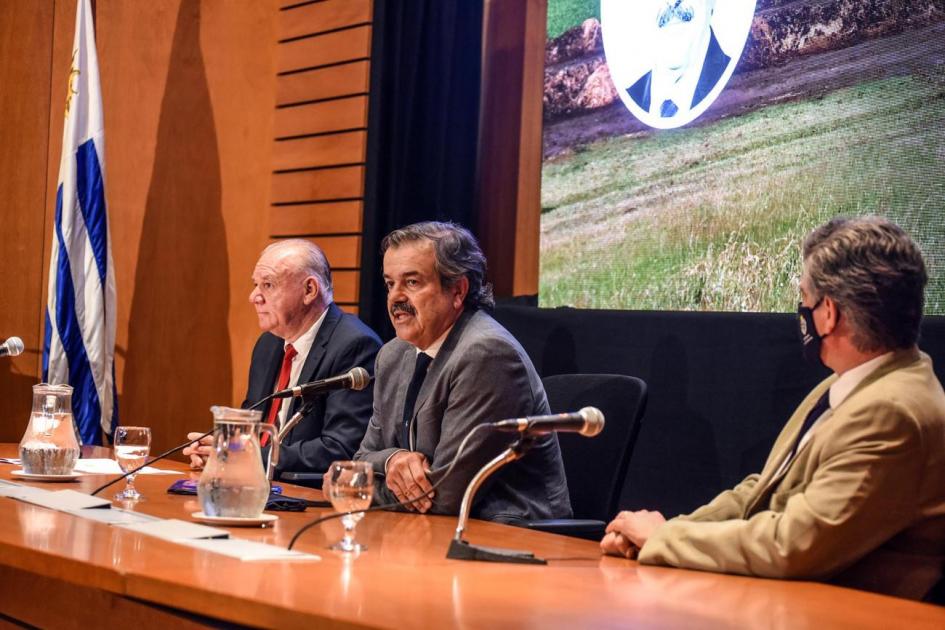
{"x": 675, "y": 11}
{"x": 406, "y": 307}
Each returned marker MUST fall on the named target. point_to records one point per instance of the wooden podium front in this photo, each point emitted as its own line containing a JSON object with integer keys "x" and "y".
{"x": 58, "y": 570}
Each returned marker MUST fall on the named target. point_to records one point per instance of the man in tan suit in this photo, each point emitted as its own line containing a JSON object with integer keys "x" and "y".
{"x": 854, "y": 489}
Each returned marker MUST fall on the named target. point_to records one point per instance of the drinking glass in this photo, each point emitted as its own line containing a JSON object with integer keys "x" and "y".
{"x": 132, "y": 445}
{"x": 350, "y": 488}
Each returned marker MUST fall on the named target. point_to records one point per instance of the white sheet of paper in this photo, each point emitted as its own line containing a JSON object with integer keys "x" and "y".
{"x": 177, "y": 530}
{"x": 18, "y": 491}
{"x": 249, "y": 551}
{"x": 65, "y": 500}
{"x": 114, "y": 516}
{"x": 110, "y": 467}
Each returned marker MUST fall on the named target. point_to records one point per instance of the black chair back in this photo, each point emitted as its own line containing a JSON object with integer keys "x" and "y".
{"x": 596, "y": 467}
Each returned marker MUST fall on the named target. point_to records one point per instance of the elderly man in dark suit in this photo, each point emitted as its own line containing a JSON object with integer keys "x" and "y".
{"x": 451, "y": 368}
{"x": 305, "y": 337}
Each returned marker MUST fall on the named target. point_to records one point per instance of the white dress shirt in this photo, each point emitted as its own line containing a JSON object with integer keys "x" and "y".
{"x": 302, "y": 346}
{"x": 839, "y": 391}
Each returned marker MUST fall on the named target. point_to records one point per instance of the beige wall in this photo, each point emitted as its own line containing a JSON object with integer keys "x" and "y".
{"x": 189, "y": 91}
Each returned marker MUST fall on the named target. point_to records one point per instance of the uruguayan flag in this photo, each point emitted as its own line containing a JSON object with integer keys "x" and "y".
{"x": 79, "y": 345}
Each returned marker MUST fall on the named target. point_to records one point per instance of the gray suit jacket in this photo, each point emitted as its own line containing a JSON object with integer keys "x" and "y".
{"x": 481, "y": 374}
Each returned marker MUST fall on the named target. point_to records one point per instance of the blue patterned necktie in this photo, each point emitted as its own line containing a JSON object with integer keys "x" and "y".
{"x": 668, "y": 109}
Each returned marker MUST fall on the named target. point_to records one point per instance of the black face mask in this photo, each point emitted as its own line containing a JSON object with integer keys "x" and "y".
{"x": 811, "y": 339}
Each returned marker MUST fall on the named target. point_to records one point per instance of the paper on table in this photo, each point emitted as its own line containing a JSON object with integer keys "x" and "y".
{"x": 64, "y": 500}
{"x": 176, "y": 530}
{"x": 248, "y": 550}
{"x": 18, "y": 491}
{"x": 114, "y": 516}
{"x": 111, "y": 467}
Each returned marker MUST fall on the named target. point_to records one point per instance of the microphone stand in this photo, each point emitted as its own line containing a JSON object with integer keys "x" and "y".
{"x": 461, "y": 549}
{"x": 304, "y": 409}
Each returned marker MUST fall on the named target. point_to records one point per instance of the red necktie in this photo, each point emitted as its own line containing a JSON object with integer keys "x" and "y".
{"x": 282, "y": 383}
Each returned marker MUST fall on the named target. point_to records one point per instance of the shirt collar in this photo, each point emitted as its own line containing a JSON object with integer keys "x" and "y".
{"x": 304, "y": 343}
{"x": 848, "y": 381}
{"x": 434, "y": 347}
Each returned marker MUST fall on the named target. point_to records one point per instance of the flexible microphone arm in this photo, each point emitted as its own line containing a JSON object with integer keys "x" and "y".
{"x": 274, "y": 452}
{"x": 396, "y": 504}
{"x": 460, "y": 549}
{"x": 168, "y": 453}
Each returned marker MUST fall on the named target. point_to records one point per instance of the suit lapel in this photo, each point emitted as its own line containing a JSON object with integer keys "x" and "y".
{"x": 442, "y": 358}
{"x": 774, "y": 472}
{"x": 317, "y": 352}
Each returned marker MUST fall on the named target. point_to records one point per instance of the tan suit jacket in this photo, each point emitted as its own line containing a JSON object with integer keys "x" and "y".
{"x": 862, "y": 503}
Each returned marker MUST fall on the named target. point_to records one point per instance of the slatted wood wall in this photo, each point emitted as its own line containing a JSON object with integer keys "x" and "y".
{"x": 320, "y": 129}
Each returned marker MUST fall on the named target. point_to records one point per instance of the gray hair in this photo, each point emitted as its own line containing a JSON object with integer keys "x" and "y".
{"x": 311, "y": 261}
{"x": 456, "y": 254}
{"x": 875, "y": 273}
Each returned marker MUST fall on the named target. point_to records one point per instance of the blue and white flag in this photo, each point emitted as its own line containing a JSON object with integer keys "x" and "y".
{"x": 79, "y": 347}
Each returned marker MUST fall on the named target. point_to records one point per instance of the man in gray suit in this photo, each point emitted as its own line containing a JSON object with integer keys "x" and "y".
{"x": 453, "y": 367}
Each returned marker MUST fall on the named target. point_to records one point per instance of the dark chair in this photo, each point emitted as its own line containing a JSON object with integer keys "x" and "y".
{"x": 595, "y": 467}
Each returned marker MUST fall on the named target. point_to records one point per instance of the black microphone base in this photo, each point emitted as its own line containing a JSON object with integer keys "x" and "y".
{"x": 462, "y": 550}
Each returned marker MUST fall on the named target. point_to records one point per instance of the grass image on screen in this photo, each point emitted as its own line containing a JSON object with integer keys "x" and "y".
{"x": 711, "y": 216}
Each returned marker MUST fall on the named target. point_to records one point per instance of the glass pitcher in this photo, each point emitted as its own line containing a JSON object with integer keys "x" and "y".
{"x": 50, "y": 445}
{"x": 234, "y": 482}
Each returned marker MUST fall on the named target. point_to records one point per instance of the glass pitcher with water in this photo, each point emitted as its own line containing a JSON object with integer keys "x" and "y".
{"x": 50, "y": 445}
{"x": 234, "y": 483}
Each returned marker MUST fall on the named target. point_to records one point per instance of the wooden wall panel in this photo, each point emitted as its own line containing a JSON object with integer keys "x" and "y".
{"x": 188, "y": 90}
{"x": 335, "y": 47}
{"x": 323, "y": 150}
{"x": 334, "y": 217}
{"x": 324, "y": 83}
{"x": 26, "y": 34}
{"x": 325, "y": 117}
{"x": 302, "y": 20}
{"x": 510, "y": 178}
{"x": 320, "y": 132}
{"x": 323, "y": 184}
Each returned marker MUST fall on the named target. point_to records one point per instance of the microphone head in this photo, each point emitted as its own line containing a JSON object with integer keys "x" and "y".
{"x": 593, "y": 421}
{"x": 14, "y": 346}
{"x": 359, "y": 378}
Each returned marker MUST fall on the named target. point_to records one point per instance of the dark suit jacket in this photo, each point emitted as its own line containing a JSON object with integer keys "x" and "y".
{"x": 334, "y": 428}
{"x": 716, "y": 61}
{"x": 481, "y": 374}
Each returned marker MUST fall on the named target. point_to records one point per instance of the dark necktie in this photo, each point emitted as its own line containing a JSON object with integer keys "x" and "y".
{"x": 281, "y": 383}
{"x": 819, "y": 408}
{"x": 419, "y": 373}
{"x": 668, "y": 109}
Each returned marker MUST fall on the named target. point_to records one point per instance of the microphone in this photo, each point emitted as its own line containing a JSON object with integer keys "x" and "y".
{"x": 588, "y": 422}
{"x": 11, "y": 347}
{"x": 356, "y": 379}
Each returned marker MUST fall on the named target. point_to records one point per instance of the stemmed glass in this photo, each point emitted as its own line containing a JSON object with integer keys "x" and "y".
{"x": 132, "y": 445}
{"x": 350, "y": 488}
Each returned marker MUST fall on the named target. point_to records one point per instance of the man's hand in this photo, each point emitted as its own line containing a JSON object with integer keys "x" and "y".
{"x": 199, "y": 452}
{"x": 407, "y": 478}
{"x": 627, "y": 533}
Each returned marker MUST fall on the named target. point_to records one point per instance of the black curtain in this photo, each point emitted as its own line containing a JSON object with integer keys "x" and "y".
{"x": 423, "y": 127}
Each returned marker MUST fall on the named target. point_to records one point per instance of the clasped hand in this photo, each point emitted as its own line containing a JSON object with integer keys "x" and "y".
{"x": 627, "y": 533}
{"x": 407, "y": 477}
{"x": 198, "y": 452}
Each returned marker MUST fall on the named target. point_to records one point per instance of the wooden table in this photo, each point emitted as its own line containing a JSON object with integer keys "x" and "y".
{"x": 57, "y": 570}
